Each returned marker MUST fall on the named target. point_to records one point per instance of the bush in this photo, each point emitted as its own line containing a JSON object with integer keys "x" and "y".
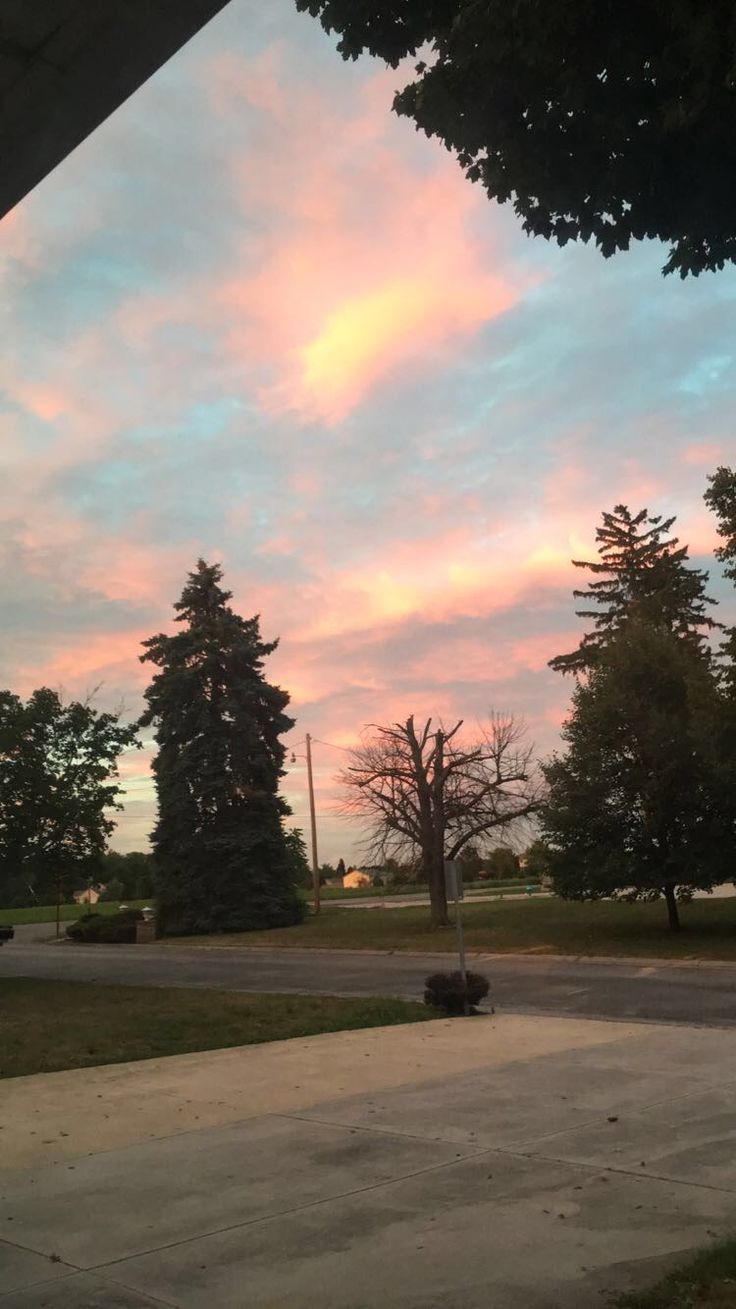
{"x": 447, "y": 991}
{"x": 114, "y": 929}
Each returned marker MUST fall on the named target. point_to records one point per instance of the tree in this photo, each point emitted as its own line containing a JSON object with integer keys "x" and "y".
{"x": 58, "y": 765}
{"x": 421, "y": 792}
{"x": 221, "y": 852}
{"x": 642, "y": 575}
{"x": 300, "y": 871}
{"x": 641, "y": 804}
{"x": 596, "y": 121}
{"x": 502, "y": 863}
{"x": 135, "y": 872}
{"x": 340, "y": 870}
{"x": 471, "y": 860}
{"x": 721, "y": 498}
{"x": 537, "y": 861}
{"x": 114, "y": 891}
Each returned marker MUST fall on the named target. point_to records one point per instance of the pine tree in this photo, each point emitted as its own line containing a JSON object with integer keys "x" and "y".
{"x": 641, "y": 804}
{"x": 219, "y": 842}
{"x": 341, "y": 870}
{"x": 642, "y": 575}
{"x": 721, "y": 498}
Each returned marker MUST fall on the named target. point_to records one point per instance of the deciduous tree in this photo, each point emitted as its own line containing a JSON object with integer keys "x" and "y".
{"x": 428, "y": 793}
{"x": 58, "y": 793}
{"x": 603, "y": 122}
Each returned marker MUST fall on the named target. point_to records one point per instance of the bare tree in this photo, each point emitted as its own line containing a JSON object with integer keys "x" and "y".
{"x": 426, "y": 793}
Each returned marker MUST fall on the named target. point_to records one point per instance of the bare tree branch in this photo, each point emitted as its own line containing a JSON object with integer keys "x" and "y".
{"x": 424, "y": 795}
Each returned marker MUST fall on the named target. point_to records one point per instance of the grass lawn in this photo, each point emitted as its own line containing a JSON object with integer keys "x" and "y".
{"x": 70, "y": 912}
{"x": 46, "y": 913}
{"x": 510, "y": 886}
{"x": 706, "y": 1282}
{"x": 46, "y": 1026}
{"x": 540, "y": 926}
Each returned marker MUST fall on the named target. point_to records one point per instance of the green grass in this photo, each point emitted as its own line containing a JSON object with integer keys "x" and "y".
{"x": 706, "y": 1282}
{"x": 413, "y": 888}
{"x": 541, "y": 926}
{"x": 69, "y": 912}
{"x": 46, "y": 913}
{"x": 47, "y": 1026}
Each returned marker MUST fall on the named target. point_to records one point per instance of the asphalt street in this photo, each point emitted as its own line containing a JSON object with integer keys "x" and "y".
{"x": 656, "y": 991}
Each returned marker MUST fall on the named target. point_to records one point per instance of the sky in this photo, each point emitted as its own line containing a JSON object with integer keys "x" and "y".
{"x": 258, "y": 318}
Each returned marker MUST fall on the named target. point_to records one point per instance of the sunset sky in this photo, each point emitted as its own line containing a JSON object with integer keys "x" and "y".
{"x": 257, "y": 317}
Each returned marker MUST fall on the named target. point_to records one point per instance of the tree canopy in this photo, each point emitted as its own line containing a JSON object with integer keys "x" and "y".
{"x": 58, "y": 793}
{"x": 134, "y": 873}
{"x": 643, "y": 575}
{"x": 641, "y": 804}
{"x": 603, "y": 122}
{"x": 221, "y": 854}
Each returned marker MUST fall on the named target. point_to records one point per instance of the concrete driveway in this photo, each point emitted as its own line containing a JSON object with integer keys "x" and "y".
{"x": 512, "y": 1163}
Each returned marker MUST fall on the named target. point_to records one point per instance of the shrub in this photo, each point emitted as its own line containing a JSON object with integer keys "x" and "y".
{"x": 447, "y": 991}
{"x": 114, "y": 929}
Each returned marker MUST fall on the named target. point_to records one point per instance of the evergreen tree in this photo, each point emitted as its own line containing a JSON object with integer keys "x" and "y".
{"x": 721, "y": 498}
{"x": 642, "y": 575}
{"x": 301, "y": 873}
{"x": 641, "y": 804}
{"x": 341, "y": 870}
{"x": 219, "y": 842}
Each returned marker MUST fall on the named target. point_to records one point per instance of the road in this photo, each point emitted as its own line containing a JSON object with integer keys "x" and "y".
{"x": 656, "y": 991}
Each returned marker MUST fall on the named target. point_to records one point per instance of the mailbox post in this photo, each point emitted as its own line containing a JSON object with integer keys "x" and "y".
{"x": 455, "y": 891}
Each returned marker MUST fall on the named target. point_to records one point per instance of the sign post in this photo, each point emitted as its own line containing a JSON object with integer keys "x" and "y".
{"x": 456, "y": 892}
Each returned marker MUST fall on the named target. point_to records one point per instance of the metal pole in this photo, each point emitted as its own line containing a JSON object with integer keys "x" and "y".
{"x": 461, "y": 948}
{"x": 315, "y": 862}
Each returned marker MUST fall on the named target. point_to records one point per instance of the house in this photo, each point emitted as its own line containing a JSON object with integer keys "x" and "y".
{"x": 88, "y": 896}
{"x": 356, "y": 877}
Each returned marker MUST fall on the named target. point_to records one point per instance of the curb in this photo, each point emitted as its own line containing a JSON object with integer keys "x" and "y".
{"x": 625, "y": 961}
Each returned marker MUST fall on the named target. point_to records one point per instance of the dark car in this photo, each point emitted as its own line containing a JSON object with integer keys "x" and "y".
{"x": 6, "y": 933}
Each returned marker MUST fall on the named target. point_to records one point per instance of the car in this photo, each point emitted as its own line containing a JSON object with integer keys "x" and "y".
{"x": 6, "y": 933}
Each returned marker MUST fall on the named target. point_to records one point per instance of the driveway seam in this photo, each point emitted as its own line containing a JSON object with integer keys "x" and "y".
{"x": 383, "y": 1131}
{"x": 545, "y": 1136}
{"x": 641, "y": 1175}
{"x": 285, "y": 1213}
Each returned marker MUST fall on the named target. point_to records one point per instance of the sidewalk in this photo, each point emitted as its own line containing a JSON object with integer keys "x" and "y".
{"x": 508, "y": 1162}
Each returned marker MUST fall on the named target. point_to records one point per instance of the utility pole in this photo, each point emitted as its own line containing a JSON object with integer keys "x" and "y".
{"x": 315, "y": 862}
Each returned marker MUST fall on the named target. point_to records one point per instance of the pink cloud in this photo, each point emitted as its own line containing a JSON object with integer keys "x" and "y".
{"x": 337, "y": 300}
{"x": 703, "y": 454}
{"x": 79, "y": 663}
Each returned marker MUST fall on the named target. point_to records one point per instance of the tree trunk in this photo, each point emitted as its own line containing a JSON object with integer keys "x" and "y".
{"x": 673, "y": 912}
